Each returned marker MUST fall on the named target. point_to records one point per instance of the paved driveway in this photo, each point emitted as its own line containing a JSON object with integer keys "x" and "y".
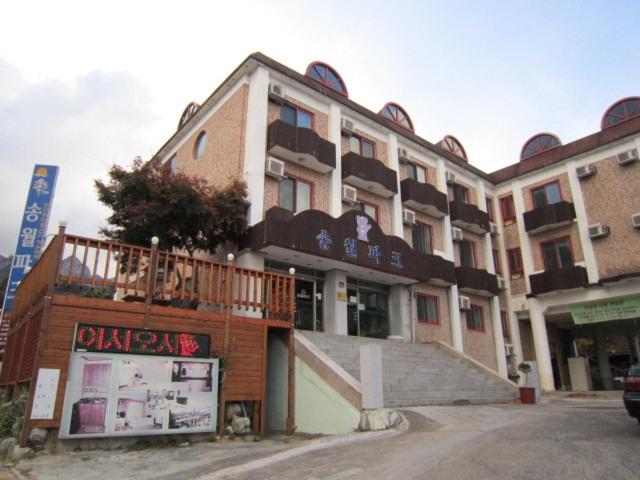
{"x": 562, "y": 439}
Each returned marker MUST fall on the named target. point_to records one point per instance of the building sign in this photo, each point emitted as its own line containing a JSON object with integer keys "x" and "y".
{"x": 595, "y": 312}
{"x": 33, "y": 231}
{"x": 99, "y": 338}
{"x": 44, "y": 398}
{"x": 121, "y": 395}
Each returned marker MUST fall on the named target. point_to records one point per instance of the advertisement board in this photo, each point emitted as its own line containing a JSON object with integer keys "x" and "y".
{"x": 110, "y": 394}
{"x": 605, "y": 311}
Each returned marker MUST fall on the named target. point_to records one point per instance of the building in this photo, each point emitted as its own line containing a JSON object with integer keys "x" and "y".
{"x": 394, "y": 236}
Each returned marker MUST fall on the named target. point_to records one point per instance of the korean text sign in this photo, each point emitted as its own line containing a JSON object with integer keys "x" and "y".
{"x": 33, "y": 230}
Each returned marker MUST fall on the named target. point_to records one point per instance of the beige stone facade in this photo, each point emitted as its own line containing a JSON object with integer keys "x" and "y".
{"x": 479, "y": 344}
{"x": 428, "y": 332}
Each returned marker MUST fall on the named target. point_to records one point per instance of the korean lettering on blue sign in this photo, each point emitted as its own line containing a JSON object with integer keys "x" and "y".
{"x": 33, "y": 230}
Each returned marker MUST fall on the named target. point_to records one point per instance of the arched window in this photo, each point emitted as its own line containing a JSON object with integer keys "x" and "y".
{"x": 201, "y": 143}
{"x": 397, "y": 114}
{"x": 539, "y": 143}
{"x": 453, "y": 145}
{"x": 323, "y": 73}
{"x": 622, "y": 110}
{"x": 188, "y": 113}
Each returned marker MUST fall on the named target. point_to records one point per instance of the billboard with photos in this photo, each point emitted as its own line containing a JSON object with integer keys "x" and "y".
{"x": 118, "y": 394}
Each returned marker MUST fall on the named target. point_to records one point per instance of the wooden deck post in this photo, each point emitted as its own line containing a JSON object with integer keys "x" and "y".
{"x": 52, "y": 278}
{"x": 151, "y": 279}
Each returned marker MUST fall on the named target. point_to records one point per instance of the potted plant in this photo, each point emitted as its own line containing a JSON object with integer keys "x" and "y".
{"x": 527, "y": 394}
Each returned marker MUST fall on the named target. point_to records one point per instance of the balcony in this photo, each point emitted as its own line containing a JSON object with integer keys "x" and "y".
{"x": 424, "y": 198}
{"x": 302, "y": 146}
{"x": 561, "y": 279}
{"x": 468, "y": 217}
{"x": 369, "y": 174}
{"x": 476, "y": 281}
{"x": 549, "y": 217}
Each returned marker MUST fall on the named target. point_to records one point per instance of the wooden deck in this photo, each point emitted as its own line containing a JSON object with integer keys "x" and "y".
{"x": 148, "y": 289}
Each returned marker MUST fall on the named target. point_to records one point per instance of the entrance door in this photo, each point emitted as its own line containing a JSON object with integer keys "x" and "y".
{"x": 304, "y": 305}
{"x": 367, "y": 312}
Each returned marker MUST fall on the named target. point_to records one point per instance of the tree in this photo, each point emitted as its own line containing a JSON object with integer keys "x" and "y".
{"x": 184, "y": 212}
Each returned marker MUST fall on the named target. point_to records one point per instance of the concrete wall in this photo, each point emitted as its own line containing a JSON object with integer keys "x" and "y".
{"x": 319, "y": 407}
{"x": 277, "y": 384}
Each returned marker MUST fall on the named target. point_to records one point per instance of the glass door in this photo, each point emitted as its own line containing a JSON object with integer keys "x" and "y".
{"x": 367, "y": 310}
{"x": 304, "y": 305}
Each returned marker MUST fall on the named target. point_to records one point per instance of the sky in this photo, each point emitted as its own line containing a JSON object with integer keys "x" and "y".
{"x": 85, "y": 85}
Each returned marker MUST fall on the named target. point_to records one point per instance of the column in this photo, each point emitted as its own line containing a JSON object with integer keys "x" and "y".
{"x": 583, "y": 223}
{"x": 255, "y": 142}
{"x": 634, "y": 346}
{"x": 335, "y": 302}
{"x": 335, "y": 136}
{"x": 600, "y": 339}
{"x": 399, "y": 312}
{"x": 541, "y": 345}
{"x": 396, "y": 201}
{"x": 454, "y": 308}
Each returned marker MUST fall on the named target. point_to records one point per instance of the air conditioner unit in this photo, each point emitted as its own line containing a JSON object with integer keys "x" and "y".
{"x": 403, "y": 155}
{"x": 456, "y": 234}
{"x": 464, "y": 303}
{"x": 586, "y": 171}
{"x": 502, "y": 283}
{"x": 635, "y": 220}
{"x": 598, "y": 230}
{"x": 493, "y": 228}
{"x": 408, "y": 217}
{"x": 275, "y": 168}
{"x": 276, "y": 92}
{"x": 349, "y": 194}
{"x": 451, "y": 177}
{"x": 508, "y": 350}
{"x": 630, "y": 156}
{"x": 347, "y": 127}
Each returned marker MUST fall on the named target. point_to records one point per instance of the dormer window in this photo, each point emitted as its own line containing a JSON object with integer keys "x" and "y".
{"x": 622, "y": 110}
{"x": 327, "y": 76}
{"x": 539, "y": 143}
{"x": 397, "y": 115}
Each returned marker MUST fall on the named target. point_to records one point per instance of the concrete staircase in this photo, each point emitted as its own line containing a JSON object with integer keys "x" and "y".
{"x": 419, "y": 374}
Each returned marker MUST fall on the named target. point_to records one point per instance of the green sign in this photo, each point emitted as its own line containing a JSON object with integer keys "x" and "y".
{"x": 616, "y": 309}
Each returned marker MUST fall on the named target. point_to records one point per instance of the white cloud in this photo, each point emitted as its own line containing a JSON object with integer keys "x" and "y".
{"x": 83, "y": 126}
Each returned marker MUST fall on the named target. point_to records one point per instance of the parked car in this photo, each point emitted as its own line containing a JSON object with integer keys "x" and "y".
{"x": 631, "y": 395}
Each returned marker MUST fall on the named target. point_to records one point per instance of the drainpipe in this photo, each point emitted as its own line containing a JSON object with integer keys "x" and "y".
{"x": 413, "y": 314}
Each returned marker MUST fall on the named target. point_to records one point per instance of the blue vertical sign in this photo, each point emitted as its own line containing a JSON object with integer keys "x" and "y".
{"x": 33, "y": 231}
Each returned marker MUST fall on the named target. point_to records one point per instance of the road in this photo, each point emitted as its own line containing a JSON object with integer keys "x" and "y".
{"x": 565, "y": 439}
{"x": 568, "y": 440}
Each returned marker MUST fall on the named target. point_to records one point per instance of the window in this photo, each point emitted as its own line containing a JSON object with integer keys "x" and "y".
{"x": 295, "y": 195}
{"x": 172, "y": 164}
{"x": 515, "y": 261}
{"x": 397, "y": 115}
{"x": 467, "y": 254}
{"x": 496, "y": 262}
{"x": 421, "y": 238}
{"x": 453, "y": 145}
{"x": 371, "y": 210}
{"x": 417, "y": 172}
{"x": 489, "y": 202}
{"x": 296, "y": 116}
{"x": 505, "y": 323}
{"x": 327, "y": 76}
{"x": 507, "y": 210}
{"x": 201, "y": 143}
{"x": 474, "y": 318}
{"x": 539, "y": 143}
{"x": 557, "y": 254}
{"x": 428, "y": 310}
{"x": 362, "y": 146}
{"x": 460, "y": 193}
{"x": 622, "y": 110}
{"x": 546, "y": 195}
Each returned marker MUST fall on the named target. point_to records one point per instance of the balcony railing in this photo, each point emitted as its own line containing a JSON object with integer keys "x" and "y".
{"x": 424, "y": 197}
{"x": 549, "y": 217}
{"x": 468, "y": 217}
{"x": 100, "y": 269}
{"x": 302, "y": 146}
{"x": 369, "y": 174}
{"x": 560, "y": 279}
{"x": 477, "y": 281}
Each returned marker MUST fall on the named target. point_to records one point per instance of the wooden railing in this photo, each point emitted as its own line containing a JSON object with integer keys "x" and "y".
{"x": 117, "y": 271}
{"x": 36, "y": 282}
